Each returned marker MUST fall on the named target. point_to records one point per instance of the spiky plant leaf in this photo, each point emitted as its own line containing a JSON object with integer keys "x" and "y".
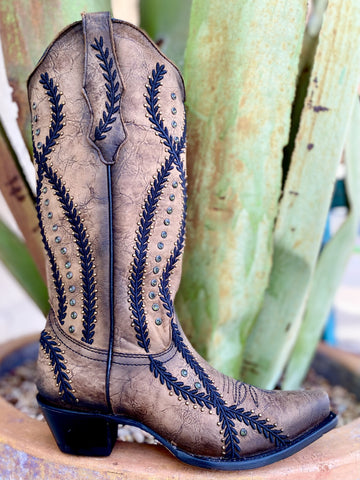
{"x": 167, "y": 23}
{"x": 240, "y": 73}
{"x": 20, "y": 202}
{"x": 331, "y": 265}
{"x": 305, "y": 203}
{"x": 16, "y": 257}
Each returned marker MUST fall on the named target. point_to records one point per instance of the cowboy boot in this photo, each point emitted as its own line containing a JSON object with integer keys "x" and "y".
{"x": 109, "y": 148}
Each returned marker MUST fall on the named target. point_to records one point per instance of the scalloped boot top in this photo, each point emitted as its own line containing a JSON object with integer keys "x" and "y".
{"x": 109, "y": 127}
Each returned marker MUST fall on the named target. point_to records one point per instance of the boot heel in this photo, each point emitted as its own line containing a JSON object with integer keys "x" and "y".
{"x": 80, "y": 433}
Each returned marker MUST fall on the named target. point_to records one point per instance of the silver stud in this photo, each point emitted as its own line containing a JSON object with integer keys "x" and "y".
{"x": 63, "y": 250}
{"x": 72, "y": 301}
{"x": 175, "y": 184}
{"x": 173, "y": 96}
{"x": 173, "y": 111}
{"x": 69, "y": 275}
{"x": 167, "y": 222}
{"x": 173, "y": 124}
{"x": 155, "y": 307}
{"x": 243, "y": 432}
{"x": 54, "y": 227}
{"x": 153, "y": 282}
{"x": 163, "y": 234}
{"x": 67, "y": 264}
{"x": 71, "y": 329}
{"x": 158, "y": 258}
{"x": 158, "y": 321}
{"x": 39, "y": 145}
{"x": 73, "y": 315}
{"x": 169, "y": 210}
{"x": 37, "y": 131}
{"x": 50, "y": 215}
{"x": 156, "y": 270}
{"x": 57, "y": 239}
{"x": 44, "y": 190}
{"x": 160, "y": 245}
{"x": 172, "y": 197}
{"x": 184, "y": 372}
{"x": 152, "y": 295}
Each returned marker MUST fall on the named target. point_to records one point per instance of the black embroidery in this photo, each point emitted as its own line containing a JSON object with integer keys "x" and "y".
{"x": 111, "y": 85}
{"x": 58, "y": 283}
{"x": 226, "y": 414}
{"x": 71, "y": 213}
{"x": 142, "y": 239}
{"x": 40, "y": 158}
{"x": 57, "y": 361}
{"x": 172, "y": 383}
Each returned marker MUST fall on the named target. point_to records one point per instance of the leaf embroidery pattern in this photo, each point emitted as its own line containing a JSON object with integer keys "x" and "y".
{"x": 226, "y": 414}
{"x": 71, "y": 213}
{"x": 147, "y": 216}
{"x": 54, "y": 133}
{"x": 57, "y": 361}
{"x": 111, "y": 86}
{"x": 58, "y": 283}
{"x": 172, "y": 383}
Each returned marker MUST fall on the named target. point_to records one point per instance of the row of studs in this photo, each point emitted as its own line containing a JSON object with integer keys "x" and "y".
{"x": 160, "y": 245}
{"x": 152, "y": 295}
{"x": 63, "y": 250}
{"x": 36, "y": 118}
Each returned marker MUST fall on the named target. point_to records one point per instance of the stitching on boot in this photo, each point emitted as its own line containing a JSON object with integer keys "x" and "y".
{"x": 111, "y": 85}
{"x": 40, "y": 158}
{"x": 212, "y": 399}
{"x": 72, "y": 215}
{"x": 58, "y": 366}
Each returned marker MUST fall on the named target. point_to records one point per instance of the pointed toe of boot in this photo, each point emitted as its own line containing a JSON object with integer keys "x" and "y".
{"x": 306, "y": 411}
{"x": 315, "y": 408}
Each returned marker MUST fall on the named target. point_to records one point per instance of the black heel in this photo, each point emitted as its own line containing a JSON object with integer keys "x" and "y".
{"x": 80, "y": 433}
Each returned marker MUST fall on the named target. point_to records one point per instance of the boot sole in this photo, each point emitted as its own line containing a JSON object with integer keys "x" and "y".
{"x": 94, "y": 434}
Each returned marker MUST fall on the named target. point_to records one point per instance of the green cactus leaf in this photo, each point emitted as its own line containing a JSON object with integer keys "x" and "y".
{"x": 308, "y": 189}
{"x": 16, "y": 257}
{"x": 240, "y": 74}
{"x": 330, "y": 267}
{"x": 20, "y": 201}
{"x": 167, "y": 23}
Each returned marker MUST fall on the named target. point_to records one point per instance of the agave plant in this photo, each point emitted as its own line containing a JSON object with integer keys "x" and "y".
{"x": 272, "y": 106}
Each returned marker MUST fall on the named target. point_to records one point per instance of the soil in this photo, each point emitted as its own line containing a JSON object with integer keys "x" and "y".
{"x": 19, "y": 389}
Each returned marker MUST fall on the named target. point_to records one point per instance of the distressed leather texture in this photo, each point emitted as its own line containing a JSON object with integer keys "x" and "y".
{"x": 156, "y": 377}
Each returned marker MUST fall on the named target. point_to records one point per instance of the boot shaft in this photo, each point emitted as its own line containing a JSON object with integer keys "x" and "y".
{"x": 109, "y": 141}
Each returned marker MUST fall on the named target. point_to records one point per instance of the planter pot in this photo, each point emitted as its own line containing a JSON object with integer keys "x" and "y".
{"x": 28, "y": 450}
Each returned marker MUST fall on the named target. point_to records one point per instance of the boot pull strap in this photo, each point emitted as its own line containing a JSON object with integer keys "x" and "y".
{"x": 102, "y": 86}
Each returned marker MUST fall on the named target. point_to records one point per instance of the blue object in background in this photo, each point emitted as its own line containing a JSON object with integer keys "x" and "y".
{"x": 329, "y": 332}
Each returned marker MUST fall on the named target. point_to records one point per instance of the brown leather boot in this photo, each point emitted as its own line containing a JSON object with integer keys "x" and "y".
{"x": 109, "y": 147}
